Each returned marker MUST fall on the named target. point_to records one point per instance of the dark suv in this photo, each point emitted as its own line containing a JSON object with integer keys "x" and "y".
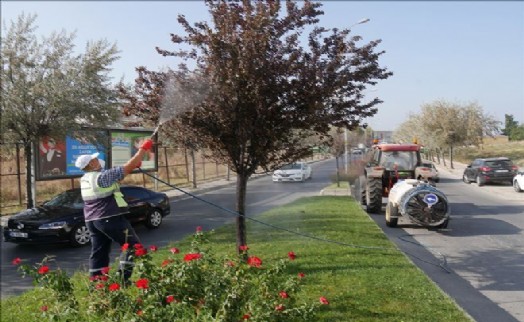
{"x": 488, "y": 170}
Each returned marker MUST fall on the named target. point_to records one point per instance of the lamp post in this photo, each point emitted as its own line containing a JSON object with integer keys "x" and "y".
{"x": 361, "y": 21}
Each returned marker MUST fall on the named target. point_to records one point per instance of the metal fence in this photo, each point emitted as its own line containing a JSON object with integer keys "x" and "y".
{"x": 176, "y": 166}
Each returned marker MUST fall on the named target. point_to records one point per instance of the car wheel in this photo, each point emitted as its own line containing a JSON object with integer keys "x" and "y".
{"x": 444, "y": 225}
{"x": 436, "y": 180}
{"x": 391, "y": 215}
{"x": 154, "y": 219}
{"x": 516, "y": 186}
{"x": 80, "y": 236}
{"x": 465, "y": 178}
{"x": 480, "y": 181}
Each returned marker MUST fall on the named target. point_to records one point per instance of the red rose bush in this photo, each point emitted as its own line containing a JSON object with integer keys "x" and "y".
{"x": 183, "y": 286}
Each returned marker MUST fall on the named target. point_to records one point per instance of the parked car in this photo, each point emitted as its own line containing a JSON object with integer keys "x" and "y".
{"x": 298, "y": 171}
{"x": 489, "y": 170}
{"x": 518, "y": 181}
{"x": 427, "y": 171}
{"x": 61, "y": 219}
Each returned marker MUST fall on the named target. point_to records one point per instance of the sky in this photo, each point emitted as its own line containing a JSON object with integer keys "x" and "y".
{"x": 458, "y": 51}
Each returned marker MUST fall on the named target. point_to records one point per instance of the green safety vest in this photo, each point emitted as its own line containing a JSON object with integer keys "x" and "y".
{"x": 91, "y": 191}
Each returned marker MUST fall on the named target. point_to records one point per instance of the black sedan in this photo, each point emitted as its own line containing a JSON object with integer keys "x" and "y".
{"x": 61, "y": 219}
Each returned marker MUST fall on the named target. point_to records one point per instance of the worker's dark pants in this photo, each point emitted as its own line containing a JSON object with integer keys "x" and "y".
{"x": 103, "y": 232}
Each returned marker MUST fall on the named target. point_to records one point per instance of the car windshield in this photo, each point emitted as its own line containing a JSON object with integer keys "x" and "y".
{"x": 399, "y": 160}
{"x": 69, "y": 199}
{"x": 427, "y": 165}
{"x": 499, "y": 164}
{"x": 294, "y": 166}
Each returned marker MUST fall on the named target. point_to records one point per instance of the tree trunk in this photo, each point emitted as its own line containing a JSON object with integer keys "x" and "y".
{"x": 29, "y": 174}
{"x": 451, "y": 156}
{"x": 338, "y": 177}
{"x": 241, "y": 207}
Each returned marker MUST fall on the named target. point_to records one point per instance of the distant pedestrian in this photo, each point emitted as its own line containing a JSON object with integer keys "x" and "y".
{"x": 104, "y": 209}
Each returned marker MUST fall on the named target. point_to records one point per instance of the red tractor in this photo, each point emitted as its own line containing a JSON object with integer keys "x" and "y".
{"x": 384, "y": 166}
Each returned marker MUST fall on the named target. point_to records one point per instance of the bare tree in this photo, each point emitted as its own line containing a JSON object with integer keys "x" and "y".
{"x": 269, "y": 91}
{"x": 48, "y": 90}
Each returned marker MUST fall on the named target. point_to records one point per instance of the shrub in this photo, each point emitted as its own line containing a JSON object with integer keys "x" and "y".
{"x": 196, "y": 286}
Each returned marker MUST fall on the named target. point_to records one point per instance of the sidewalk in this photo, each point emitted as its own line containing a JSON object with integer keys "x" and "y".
{"x": 457, "y": 171}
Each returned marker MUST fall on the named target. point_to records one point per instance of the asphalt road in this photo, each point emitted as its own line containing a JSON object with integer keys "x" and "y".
{"x": 478, "y": 260}
{"x": 187, "y": 213}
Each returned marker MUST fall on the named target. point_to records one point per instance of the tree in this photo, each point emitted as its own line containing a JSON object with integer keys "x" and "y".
{"x": 509, "y": 123}
{"x": 442, "y": 124}
{"x": 268, "y": 92}
{"x": 47, "y": 90}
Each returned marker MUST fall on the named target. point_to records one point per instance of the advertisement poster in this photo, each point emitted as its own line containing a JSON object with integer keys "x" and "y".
{"x": 125, "y": 144}
{"x": 51, "y": 157}
{"x": 55, "y": 158}
{"x": 76, "y": 148}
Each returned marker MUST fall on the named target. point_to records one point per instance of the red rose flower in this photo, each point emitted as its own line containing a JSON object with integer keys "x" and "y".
{"x": 43, "y": 270}
{"x": 301, "y": 275}
{"x": 44, "y": 308}
{"x": 291, "y": 255}
{"x": 192, "y": 256}
{"x": 125, "y": 247}
{"x": 142, "y": 283}
{"x": 243, "y": 248}
{"x": 105, "y": 270}
{"x": 16, "y": 261}
{"x": 170, "y": 298}
{"x": 140, "y": 252}
{"x": 246, "y": 317}
{"x": 139, "y": 312}
{"x": 166, "y": 262}
{"x": 254, "y": 261}
{"x": 199, "y": 229}
{"x": 100, "y": 286}
{"x": 153, "y": 248}
{"x": 283, "y": 295}
{"x": 114, "y": 287}
{"x": 280, "y": 307}
{"x": 323, "y": 300}
{"x": 174, "y": 250}
{"x": 138, "y": 246}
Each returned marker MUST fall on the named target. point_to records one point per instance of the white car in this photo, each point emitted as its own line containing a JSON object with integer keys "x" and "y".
{"x": 427, "y": 171}
{"x": 518, "y": 181}
{"x": 298, "y": 171}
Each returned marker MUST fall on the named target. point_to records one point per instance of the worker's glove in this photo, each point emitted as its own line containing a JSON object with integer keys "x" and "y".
{"x": 147, "y": 144}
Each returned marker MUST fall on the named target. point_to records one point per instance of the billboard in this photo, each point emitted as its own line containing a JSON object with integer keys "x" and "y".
{"x": 56, "y": 156}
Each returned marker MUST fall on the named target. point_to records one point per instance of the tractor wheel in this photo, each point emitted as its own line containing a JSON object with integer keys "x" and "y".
{"x": 391, "y": 215}
{"x": 374, "y": 196}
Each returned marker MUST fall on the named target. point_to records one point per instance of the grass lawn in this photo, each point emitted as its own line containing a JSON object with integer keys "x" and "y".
{"x": 349, "y": 261}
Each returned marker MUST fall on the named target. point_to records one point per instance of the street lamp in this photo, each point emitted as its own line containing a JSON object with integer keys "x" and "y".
{"x": 361, "y": 21}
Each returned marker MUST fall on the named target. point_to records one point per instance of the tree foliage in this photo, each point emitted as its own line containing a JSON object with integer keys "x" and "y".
{"x": 267, "y": 91}
{"x": 512, "y": 129}
{"x": 441, "y": 124}
{"x": 48, "y": 90}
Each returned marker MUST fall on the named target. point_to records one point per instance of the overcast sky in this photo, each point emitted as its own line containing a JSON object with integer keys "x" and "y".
{"x": 459, "y": 51}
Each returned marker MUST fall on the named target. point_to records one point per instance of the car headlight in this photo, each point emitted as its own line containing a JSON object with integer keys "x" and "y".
{"x": 53, "y": 225}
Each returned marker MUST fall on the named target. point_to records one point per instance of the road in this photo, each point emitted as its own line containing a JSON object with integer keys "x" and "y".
{"x": 482, "y": 249}
{"x": 187, "y": 214}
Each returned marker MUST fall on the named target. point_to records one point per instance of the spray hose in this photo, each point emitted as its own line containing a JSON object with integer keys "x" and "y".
{"x": 442, "y": 265}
